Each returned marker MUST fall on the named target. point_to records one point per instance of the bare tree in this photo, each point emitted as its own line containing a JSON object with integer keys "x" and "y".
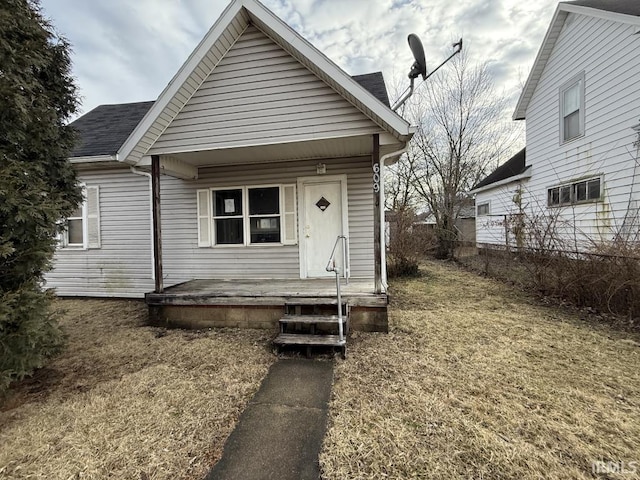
{"x": 463, "y": 131}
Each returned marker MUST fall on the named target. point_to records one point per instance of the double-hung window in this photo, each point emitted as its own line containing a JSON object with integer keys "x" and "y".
{"x": 254, "y": 215}
{"x": 572, "y": 109}
{"x": 82, "y": 227}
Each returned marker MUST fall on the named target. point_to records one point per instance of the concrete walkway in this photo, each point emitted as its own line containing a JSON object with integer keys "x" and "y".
{"x": 280, "y": 433}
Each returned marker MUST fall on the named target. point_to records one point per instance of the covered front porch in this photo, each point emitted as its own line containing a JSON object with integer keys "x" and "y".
{"x": 260, "y": 303}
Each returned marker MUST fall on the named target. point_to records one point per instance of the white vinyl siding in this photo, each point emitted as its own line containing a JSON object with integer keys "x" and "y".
{"x": 259, "y": 94}
{"x": 121, "y": 266}
{"x": 607, "y": 52}
{"x": 183, "y": 259}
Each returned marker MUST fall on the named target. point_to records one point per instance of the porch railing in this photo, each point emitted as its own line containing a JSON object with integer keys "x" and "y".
{"x": 332, "y": 267}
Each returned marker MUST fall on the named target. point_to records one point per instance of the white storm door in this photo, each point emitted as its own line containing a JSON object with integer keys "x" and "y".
{"x": 323, "y": 220}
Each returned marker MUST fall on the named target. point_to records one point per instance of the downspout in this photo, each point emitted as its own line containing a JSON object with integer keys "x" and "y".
{"x": 383, "y": 248}
{"x": 148, "y": 175}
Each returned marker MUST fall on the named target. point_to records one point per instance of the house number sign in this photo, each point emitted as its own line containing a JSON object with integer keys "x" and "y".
{"x": 376, "y": 177}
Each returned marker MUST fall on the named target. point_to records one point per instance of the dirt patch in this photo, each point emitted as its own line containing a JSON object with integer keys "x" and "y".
{"x": 129, "y": 401}
{"x": 477, "y": 380}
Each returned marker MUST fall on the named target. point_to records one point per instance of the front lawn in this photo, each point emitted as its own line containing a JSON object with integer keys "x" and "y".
{"x": 477, "y": 380}
{"x": 127, "y": 401}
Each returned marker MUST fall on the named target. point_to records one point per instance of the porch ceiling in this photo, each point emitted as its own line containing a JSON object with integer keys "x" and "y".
{"x": 314, "y": 149}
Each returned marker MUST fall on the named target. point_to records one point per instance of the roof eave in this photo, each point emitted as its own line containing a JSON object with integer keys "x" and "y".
{"x": 521, "y": 176}
{"x": 94, "y": 159}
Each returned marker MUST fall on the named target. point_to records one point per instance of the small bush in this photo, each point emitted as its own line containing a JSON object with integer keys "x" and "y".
{"x": 29, "y": 333}
{"x": 408, "y": 244}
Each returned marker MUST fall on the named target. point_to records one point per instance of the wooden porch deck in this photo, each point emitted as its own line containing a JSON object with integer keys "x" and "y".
{"x": 259, "y": 303}
{"x": 268, "y": 292}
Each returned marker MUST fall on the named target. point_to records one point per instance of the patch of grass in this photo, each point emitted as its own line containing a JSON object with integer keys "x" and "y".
{"x": 478, "y": 380}
{"x": 130, "y": 401}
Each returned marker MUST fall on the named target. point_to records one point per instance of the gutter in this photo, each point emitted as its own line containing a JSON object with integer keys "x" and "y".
{"x": 148, "y": 175}
{"x": 383, "y": 249}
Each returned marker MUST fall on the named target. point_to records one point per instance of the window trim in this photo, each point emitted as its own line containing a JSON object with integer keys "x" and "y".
{"x": 85, "y": 233}
{"x": 578, "y": 79}
{"x": 572, "y": 185}
{"x": 246, "y": 217}
{"x": 483, "y": 204}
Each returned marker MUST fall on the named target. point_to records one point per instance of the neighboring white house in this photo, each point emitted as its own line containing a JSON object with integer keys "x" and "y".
{"x": 261, "y": 151}
{"x": 581, "y": 103}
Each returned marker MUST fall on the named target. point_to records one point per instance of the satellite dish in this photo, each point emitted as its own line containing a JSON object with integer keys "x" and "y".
{"x": 420, "y": 65}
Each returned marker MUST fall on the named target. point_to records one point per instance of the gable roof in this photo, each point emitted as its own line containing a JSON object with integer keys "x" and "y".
{"x": 511, "y": 168}
{"x": 103, "y": 130}
{"x": 213, "y": 47}
{"x": 625, "y": 11}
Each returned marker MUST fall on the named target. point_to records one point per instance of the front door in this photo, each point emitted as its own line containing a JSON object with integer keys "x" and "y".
{"x": 322, "y": 222}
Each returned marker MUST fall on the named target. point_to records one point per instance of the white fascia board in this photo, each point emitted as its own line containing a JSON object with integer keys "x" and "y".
{"x": 522, "y": 176}
{"x": 317, "y": 58}
{"x": 180, "y": 77}
{"x": 94, "y": 159}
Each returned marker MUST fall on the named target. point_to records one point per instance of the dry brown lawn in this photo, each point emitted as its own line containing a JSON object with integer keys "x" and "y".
{"x": 127, "y": 401}
{"x": 476, "y": 380}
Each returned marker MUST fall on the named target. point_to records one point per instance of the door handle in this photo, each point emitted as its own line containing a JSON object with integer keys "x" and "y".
{"x": 307, "y": 231}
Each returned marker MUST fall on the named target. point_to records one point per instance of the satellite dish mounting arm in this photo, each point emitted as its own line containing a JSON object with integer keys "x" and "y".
{"x": 419, "y": 67}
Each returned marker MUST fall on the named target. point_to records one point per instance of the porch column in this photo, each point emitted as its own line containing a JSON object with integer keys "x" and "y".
{"x": 157, "y": 231}
{"x": 375, "y": 163}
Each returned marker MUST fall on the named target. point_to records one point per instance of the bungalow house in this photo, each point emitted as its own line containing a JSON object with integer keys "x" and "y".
{"x": 222, "y": 201}
{"x": 579, "y": 174}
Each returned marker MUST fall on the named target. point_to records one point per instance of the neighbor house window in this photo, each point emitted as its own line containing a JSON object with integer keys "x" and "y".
{"x": 572, "y": 109}
{"x": 82, "y": 227}
{"x": 483, "y": 209}
{"x": 577, "y": 192}
{"x": 247, "y": 215}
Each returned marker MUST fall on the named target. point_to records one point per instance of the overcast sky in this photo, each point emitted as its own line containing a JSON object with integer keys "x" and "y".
{"x": 128, "y": 50}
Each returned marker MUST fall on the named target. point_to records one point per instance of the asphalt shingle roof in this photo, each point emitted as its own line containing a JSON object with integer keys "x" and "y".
{"x": 374, "y": 83}
{"x": 512, "y": 167}
{"x": 103, "y": 130}
{"x": 626, "y": 7}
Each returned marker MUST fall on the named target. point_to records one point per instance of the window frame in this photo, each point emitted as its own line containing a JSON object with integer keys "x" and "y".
{"x": 573, "y": 186}
{"x": 483, "y": 204}
{"x": 83, "y": 218}
{"x": 213, "y": 217}
{"x": 578, "y": 80}
{"x": 246, "y": 216}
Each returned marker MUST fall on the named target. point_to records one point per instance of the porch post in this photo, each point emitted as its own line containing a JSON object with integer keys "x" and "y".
{"x": 157, "y": 231}
{"x": 375, "y": 163}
